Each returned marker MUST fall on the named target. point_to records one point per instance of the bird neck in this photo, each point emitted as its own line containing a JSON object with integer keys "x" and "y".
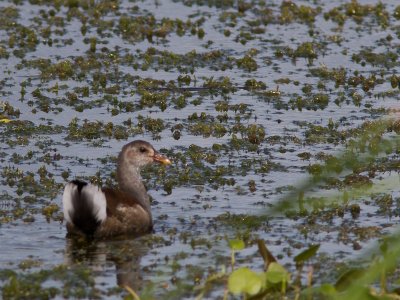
{"x": 130, "y": 181}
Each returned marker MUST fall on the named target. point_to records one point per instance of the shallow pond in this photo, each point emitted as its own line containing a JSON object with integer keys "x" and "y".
{"x": 248, "y": 98}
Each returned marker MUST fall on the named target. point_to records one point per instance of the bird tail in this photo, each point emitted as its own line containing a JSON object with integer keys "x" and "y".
{"x": 85, "y": 206}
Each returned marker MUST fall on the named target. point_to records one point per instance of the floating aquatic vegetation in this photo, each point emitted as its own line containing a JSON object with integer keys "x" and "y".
{"x": 242, "y": 125}
{"x": 387, "y": 60}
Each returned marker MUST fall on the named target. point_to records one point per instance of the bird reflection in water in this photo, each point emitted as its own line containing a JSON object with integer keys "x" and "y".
{"x": 98, "y": 255}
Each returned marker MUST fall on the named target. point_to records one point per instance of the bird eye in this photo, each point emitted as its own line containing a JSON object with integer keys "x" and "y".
{"x": 142, "y": 149}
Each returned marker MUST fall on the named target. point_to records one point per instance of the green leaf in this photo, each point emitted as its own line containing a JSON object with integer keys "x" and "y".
{"x": 327, "y": 289}
{"x": 244, "y": 280}
{"x": 277, "y": 273}
{"x": 350, "y": 276}
{"x": 236, "y": 244}
{"x": 306, "y": 254}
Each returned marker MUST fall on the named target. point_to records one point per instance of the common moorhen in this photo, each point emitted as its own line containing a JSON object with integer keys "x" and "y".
{"x": 104, "y": 212}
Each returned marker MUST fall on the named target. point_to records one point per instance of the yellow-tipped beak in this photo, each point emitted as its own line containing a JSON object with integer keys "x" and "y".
{"x": 161, "y": 159}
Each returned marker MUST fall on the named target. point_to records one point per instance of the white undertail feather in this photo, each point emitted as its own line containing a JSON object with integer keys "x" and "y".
{"x": 69, "y": 190}
{"x": 92, "y": 193}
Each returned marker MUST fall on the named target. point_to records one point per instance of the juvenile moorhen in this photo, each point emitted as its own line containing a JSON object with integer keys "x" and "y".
{"x": 104, "y": 212}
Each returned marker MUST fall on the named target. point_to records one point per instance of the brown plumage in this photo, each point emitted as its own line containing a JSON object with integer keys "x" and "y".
{"x": 105, "y": 212}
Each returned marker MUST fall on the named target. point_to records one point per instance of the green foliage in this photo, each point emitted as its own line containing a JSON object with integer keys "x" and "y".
{"x": 246, "y": 281}
{"x": 306, "y": 254}
{"x": 236, "y": 245}
{"x": 360, "y": 283}
{"x": 276, "y": 273}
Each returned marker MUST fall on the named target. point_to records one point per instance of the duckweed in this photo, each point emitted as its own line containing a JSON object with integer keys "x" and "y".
{"x": 290, "y": 11}
{"x": 78, "y": 283}
{"x": 387, "y": 60}
{"x": 241, "y": 221}
{"x": 96, "y": 130}
{"x": 247, "y": 63}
